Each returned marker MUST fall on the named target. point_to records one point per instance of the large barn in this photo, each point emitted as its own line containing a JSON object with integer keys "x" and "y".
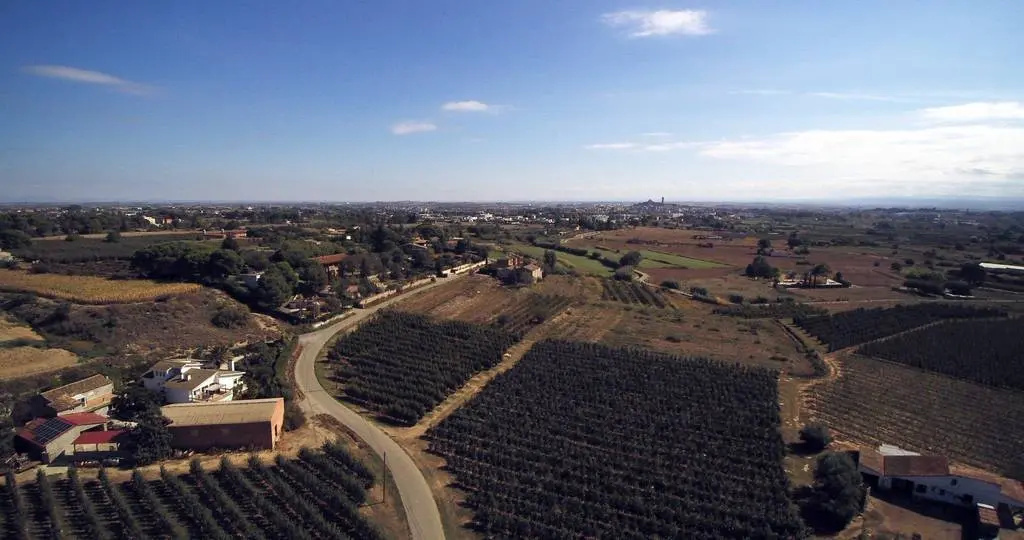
{"x": 250, "y": 424}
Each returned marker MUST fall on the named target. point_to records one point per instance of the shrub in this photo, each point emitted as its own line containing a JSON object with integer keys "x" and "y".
{"x": 230, "y": 317}
{"x": 700, "y": 291}
{"x": 815, "y": 437}
{"x": 736, "y": 298}
{"x": 838, "y": 492}
{"x": 670, "y": 284}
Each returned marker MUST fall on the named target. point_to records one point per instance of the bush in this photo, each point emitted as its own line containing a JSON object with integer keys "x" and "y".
{"x": 699, "y": 291}
{"x": 815, "y": 437}
{"x": 624, "y": 273}
{"x": 736, "y": 298}
{"x": 960, "y": 288}
{"x": 838, "y": 492}
{"x": 294, "y": 418}
{"x": 670, "y": 284}
{"x": 230, "y": 317}
{"x": 927, "y": 287}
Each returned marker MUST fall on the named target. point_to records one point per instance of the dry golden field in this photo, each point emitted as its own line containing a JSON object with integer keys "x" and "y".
{"x": 89, "y": 289}
{"x": 24, "y": 361}
{"x": 12, "y": 331}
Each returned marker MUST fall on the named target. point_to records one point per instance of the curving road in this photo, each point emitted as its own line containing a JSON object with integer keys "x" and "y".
{"x": 417, "y": 499}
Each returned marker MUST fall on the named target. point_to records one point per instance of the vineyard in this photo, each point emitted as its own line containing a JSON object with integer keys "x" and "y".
{"x": 777, "y": 310}
{"x": 401, "y": 365}
{"x": 316, "y": 496}
{"x": 986, "y": 352}
{"x": 530, "y": 311}
{"x": 875, "y": 402}
{"x": 89, "y": 289}
{"x": 583, "y": 440}
{"x": 848, "y": 328}
{"x": 629, "y": 292}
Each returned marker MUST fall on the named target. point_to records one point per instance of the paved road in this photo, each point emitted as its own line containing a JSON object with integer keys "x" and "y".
{"x": 417, "y": 499}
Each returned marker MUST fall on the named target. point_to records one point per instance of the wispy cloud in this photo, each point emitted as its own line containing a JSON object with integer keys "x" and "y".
{"x": 854, "y": 96}
{"x": 89, "y": 77}
{"x": 760, "y": 92}
{"x": 656, "y": 134}
{"x": 687, "y": 22}
{"x": 612, "y": 146}
{"x": 467, "y": 106}
{"x": 976, "y": 112}
{"x": 411, "y": 126}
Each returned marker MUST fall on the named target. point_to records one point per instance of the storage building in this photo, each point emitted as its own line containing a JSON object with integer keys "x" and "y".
{"x": 251, "y": 423}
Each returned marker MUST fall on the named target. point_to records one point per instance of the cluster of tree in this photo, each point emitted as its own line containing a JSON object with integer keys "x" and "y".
{"x": 150, "y": 440}
{"x": 837, "y": 495}
{"x": 266, "y": 366}
{"x": 71, "y": 220}
{"x": 759, "y": 268}
{"x": 815, "y": 437}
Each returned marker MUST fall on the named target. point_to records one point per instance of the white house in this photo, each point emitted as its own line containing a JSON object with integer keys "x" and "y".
{"x": 185, "y": 380}
{"x": 890, "y": 468}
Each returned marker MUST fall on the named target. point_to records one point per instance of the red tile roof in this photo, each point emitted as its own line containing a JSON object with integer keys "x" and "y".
{"x": 85, "y": 418}
{"x": 331, "y": 259}
{"x": 99, "y": 437}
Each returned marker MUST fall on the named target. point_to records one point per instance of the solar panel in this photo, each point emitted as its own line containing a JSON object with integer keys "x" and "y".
{"x": 51, "y": 429}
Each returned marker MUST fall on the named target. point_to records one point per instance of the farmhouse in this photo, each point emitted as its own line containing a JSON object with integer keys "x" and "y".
{"x": 91, "y": 394}
{"x": 48, "y": 439}
{"x": 890, "y": 468}
{"x": 332, "y": 263}
{"x": 1002, "y": 268}
{"x": 251, "y": 423}
{"x": 185, "y": 380}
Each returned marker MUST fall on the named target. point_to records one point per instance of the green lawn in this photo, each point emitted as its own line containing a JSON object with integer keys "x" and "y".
{"x": 658, "y": 259}
{"x": 585, "y": 265}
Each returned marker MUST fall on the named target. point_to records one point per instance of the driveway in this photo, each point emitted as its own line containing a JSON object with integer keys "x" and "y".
{"x": 417, "y": 499}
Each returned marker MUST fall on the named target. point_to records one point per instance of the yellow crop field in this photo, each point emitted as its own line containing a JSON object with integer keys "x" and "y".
{"x": 90, "y": 289}
{"x": 25, "y": 361}
{"x": 12, "y": 331}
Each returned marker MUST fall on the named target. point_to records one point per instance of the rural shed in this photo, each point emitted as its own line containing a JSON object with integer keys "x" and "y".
{"x": 91, "y": 394}
{"x": 251, "y": 423}
{"x": 48, "y": 439}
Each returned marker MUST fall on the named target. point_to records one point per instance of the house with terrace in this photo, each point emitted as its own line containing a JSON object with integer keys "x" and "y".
{"x": 185, "y": 380}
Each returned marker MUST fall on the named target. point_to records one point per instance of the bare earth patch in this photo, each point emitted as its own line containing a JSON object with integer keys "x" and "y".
{"x": 11, "y": 331}
{"x": 24, "y": 361}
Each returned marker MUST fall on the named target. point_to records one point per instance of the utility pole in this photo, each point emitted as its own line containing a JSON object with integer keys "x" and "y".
{"x": 384, "y": 484}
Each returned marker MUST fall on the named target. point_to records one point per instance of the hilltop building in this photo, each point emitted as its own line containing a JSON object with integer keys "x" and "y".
{"x": 184, "y": 380}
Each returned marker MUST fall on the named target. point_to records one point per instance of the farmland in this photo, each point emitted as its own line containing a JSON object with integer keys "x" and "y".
{"x": 660, "y": 259}
{"x": 588, "y": 440}
{"x": 401, "y": 365}
{"x": 317, "y": 495}
{"x": 841, "y": 330}
{"x": 873, "y": 402}
{"x": 635, "y": 293}
{"x": 582, "y": 264}
{"x": 986, "y": 351}
{"x": 90, "y": 289}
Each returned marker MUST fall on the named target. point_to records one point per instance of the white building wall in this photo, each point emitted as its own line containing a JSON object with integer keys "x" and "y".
{"x": 951, "y": 489}
{"x": 183, "y": 395}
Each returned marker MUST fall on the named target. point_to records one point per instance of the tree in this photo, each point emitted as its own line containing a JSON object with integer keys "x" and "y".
{"x": 973, "y": 273}
{"x": 113, "y": 237}
{"x": 759, "y": 268}
{"x": 14, "y": 239}
{"x": 764, "y": 246}
{"x": 223, "y": 263}
{"x": 896, "y": 266}
{"x": 624, "y": 273}
{"x": 550, "y": 258}
{"x": 230, "y": 243}
{"x": 815, "y": 437}
{"x": 314, "y": 278}
{"x": 134, "y": 403}
{"x": 838, "y": 491}
{"x": 961, "y": 288}
{"x": 670, "y": 284}
{"x": 256, "y": 260}
{"x": 272, "y": 290}
{"x": 819, "y": 270}
{"x": 149, "y": 441}
{"x": 793, "y": 240}
{"x": 632, "y": 258}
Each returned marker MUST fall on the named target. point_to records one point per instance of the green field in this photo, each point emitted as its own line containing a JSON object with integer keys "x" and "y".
{"x": 658, "y": 259}
{"x": 580, "y": 264}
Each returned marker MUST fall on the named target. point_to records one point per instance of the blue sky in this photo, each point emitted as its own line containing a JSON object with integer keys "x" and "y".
{"x": 524, "y": 100}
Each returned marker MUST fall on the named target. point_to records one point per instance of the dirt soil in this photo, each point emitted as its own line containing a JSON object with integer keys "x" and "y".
{"x": 11, "y": 331}
{"x": 25, "y": 361}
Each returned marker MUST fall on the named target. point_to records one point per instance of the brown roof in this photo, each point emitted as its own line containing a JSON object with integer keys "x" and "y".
{"x": 62, "y": 397}
{"x": 331, "y": 259}
{"x": 193, "y": 378}
{"x": 225, "y": 412}
{"x": 916, "y": 466}
{"x": 872, "y": 460}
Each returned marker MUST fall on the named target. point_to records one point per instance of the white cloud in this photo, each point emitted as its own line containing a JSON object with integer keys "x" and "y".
{"x": 411, "y": 126}
{"x": 611, "y": 146}
{"x": 467, "y": 106}
{"x": 657, "y": 134}
{"x": 88, "y": 77}
{"x": 853, "y": 96}
{"x": 761, "y": 92}
{"x": 689, "y": 22}
{"x": 898, "y": 154}
{"x": 976, "y": 112}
